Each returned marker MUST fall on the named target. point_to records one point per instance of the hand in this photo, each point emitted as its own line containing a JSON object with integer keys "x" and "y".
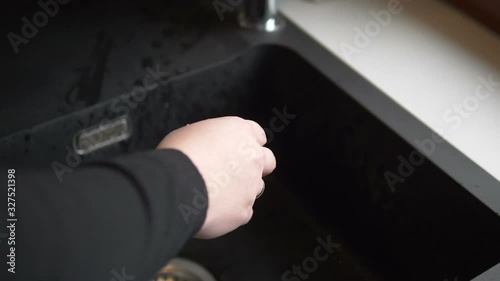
{"x": 230, "y": 156}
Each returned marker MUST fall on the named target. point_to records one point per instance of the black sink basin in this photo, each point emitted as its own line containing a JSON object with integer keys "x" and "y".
{"x": 329, "y": 184}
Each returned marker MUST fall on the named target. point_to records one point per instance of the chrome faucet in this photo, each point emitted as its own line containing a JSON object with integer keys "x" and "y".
{"x": 260, "y": 15}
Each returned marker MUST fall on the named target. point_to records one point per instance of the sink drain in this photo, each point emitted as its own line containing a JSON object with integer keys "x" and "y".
{"x": 180, "y": 269}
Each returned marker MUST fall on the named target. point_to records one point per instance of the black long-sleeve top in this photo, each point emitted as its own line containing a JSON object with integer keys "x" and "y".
{"x": 112, "y": 220}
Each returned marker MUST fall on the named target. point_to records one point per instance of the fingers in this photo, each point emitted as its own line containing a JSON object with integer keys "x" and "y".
{"x": 247, "y": 216}
{"x": 265, "y": 155}
{"x": 258, "y": 132}
{"x": 269, "y": 158}
{"x": 269, "y": 162}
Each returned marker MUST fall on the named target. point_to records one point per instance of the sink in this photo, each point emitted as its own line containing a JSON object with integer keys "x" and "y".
{"x": 329, "y": 185}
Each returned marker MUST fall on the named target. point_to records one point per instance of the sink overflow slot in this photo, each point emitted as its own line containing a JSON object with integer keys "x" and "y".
{"x": 102, "y": 135}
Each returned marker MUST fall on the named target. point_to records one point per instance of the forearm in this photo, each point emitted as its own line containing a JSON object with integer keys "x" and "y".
{"x": 110, "y": 217}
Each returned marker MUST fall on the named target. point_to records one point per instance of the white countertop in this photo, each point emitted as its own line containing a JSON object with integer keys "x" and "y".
{"x": 427, "y": 58}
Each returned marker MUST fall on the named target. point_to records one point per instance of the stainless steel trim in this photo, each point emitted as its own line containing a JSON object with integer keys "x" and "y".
{"x": 105, "y": 134}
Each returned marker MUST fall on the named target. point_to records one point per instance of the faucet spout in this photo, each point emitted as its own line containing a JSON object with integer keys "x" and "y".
{"x": 260, "y": 15}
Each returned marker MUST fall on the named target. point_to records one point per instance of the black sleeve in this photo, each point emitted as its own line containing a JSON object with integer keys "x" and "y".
{"x": 116, "y": 220}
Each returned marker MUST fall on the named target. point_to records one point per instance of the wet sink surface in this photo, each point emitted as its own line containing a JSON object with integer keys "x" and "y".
{"x": 332, "y": 155}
